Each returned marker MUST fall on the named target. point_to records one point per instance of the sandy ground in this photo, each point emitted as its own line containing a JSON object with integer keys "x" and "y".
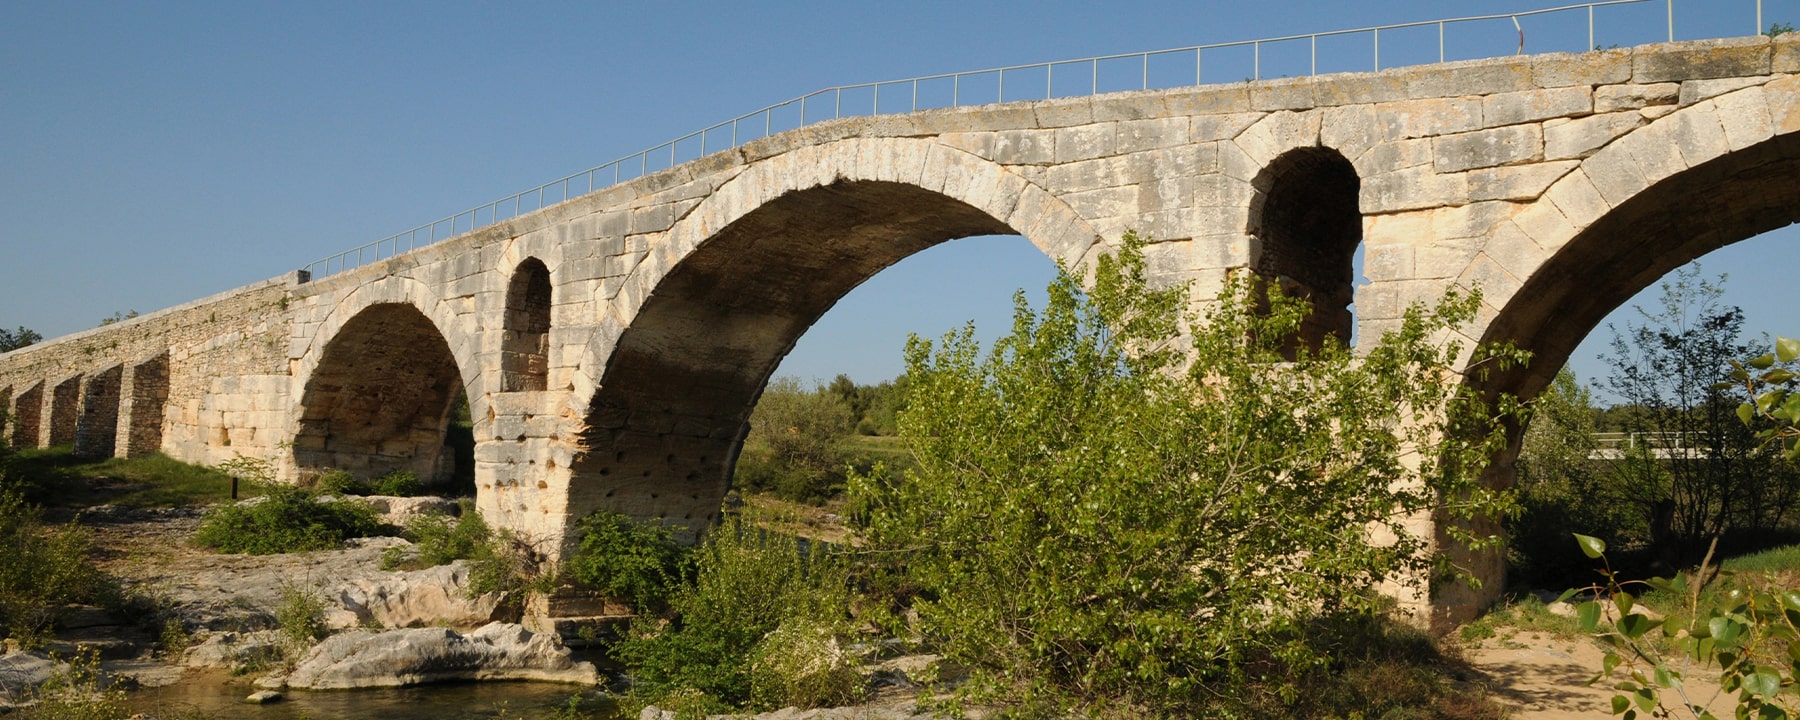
{"x": 1543, "y": 677}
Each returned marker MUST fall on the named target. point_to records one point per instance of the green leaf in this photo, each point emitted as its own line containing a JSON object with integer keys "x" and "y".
{"x": 1724, "y": 630}
{"x": 1762, "y": 362}
{"x": 1588, "y": 614}
{"x": 1569, "y": 593}
{"x": 1746, "y": 413}
{"x": 1636, "y": 624}
{"x": 1620, "y": 705}
{"x": 1787, "y": 349}
{"x": 1666, "y": 677}
{"x": 1777, "y": 375}
{"x": 1591, "y": 546}
{"x": 1763, "y": 682}
{"x": 1609, "y": 663}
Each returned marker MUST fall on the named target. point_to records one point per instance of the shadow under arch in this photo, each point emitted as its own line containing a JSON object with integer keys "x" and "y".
{"x": 1307, "y": 224}
{"x": 1725, "y": 200}
{"x": 663, "y": 430}
{"x": 380, "y": 398}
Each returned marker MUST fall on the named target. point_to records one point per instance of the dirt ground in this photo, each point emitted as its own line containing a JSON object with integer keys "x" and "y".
{"x": 1543, "y": 677}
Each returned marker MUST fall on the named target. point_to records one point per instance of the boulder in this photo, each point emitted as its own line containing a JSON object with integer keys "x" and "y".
{"x": 22, "y": 673}
{"x": 399, "y": 658}
{"x": 420, "y": 598}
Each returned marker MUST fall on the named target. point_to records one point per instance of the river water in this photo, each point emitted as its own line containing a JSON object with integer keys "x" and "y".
{"x": 217, "y": 695}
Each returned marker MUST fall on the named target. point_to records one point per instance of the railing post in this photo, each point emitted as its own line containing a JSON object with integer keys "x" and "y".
{"x": 1670, "y": 4}
{"x": 1377, "y": 49}
{"x": 1256, "y": 60}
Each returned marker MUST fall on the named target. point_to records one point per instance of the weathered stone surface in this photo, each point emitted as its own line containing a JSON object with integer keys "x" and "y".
{"x": 1526, "y": 106}
{"x": 1613, "y": 98}
{"x": 1703, "y": 59}
{"x": 1580, "y": 138}
{"x": 433, "y": 596}
{"x": 401, "y": 510}
{"x": 1489, "y": 148}
{"x": 1694, "y": 91}
{"x": 400, "y": 658}
{"x": 22, "y": 673}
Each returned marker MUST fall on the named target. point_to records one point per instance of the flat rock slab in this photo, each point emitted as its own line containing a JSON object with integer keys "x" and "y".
{"x": 399, "y": 658}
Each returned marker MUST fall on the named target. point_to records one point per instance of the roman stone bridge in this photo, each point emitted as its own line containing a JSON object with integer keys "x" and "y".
{"x": 611, "y": 346}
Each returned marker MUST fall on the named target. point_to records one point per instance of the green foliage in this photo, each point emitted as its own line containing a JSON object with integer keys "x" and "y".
{"x": 300, "y": 615}
{"x": 1561, "y": 486}
{"x": 802, "y": 664}
{"x": 1109, "y": 516}
{"x": 258, "y": 472}
{"x": 442, "y": 540}
{"x": 628, "y": 560}
{"x": 399, "y": 483}
{"x": 1746, "y": 630}
{"x": 339, "y": 482}
{"x": 286, "y": 520}
{"x": 1718, "y": 480}
{"x": 1779, "y": 29}
{"x": 81, "y": 692}
{"x": 746, "y": 585}
{"x": 792, "y": 446}
{"x": 117, "y": 317}
{"x": 11, "y": 340}
{"x": 41, "y": 569}
{"x": 1773, "y": 408}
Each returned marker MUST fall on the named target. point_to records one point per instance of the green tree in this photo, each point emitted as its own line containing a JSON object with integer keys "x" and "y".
{"x": 1699, "y": 473}
{"x": 792, "y": 446}
{"x": 1113, "y": 516}
{"x": 11, "y": 340}
{"x": 1563, "y": 488}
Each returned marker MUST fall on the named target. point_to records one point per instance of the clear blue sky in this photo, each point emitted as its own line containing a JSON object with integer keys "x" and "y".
{"x": 155, "y": 153}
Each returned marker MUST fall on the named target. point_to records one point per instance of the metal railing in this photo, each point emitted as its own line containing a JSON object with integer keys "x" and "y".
{"x": 829, "y": 103}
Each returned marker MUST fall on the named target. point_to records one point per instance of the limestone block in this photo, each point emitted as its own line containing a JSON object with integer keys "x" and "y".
{"x": 1411, "y": 189}
{"x": 1615, "y": 173}
{"x": 1545, "y": 224}
{"x": 1613, "y": 98}
{"x": 1578, "y": 200}
{"x": 1488, "y": 148}
{"x": 1153, "y": 134}
{"x": 1065, "y": 112}
{"x": 1392, "y": 156}
{"x": 1283, "y": 94}
{"x": 1377, "y": 301}
{"x": 1140, "y": 106}
{"x": 1397, "y": 228}
{"x": 1353, "y": 129}
{"x": 1386, "y": 262}
{"x": 1527, "y": 106}
{"x": 1656, "y": 149}
{"x": 1701, "y": 59}
{"x": 1581, "y": 137}
{"x": 1586, "y": 69}
{"x": 1104, "y": 202}
{"x": 1360, "y": 88}
{"x": 1211, "y": 100}
{"x": 1278, "y": 133}
{"x": 1084, "y": 175}
{"x": 1699, "y": 134}
{"x": 1084, "y": 142}
{"x": 1656, "y": 111}
{"x": 1514, "y": 251}
{"x": 1024, "y": 147}
{"x": 1519, "y": 182}
{"x": 1694, "y": 91}
{"x": 1786, "y": 53}
{"x": 1487, "y": 276}
{"x": 1470, "y": 77}
{"x": 979, "y": 144}
{"x": 1432, "y": 116}
{"x": 1208, "y": 128}
{"x": 1745, "y": 117}
{"x": 1783, "y": 97}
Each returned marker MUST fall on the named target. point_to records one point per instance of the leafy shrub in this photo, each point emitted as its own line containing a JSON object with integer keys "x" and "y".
{"x": 792, "y": 447}
{"x": 41, "y": 569}
{"x": 1122, "y": 510}
{"x": 286, "y": 520}
{"x": 747, "y": 584}
{"x": 400, "y": 483}
{"x": 301, "y": 616}
{"x": 340, "y": 482}
{"x": 628, "y": 560}
{"x": 441, "y": 539}
{"x": 803, "y": 664}
{"x": 79, "y": 693}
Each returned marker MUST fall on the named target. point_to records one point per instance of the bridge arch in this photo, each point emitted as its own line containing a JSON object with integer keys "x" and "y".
{"x": 525, "y": 335}
{"x": 375, "y": 387}
{"x": 716, "y": 307}
{"x": 1704, "y": 177}
{"x": 1305, "y": 218}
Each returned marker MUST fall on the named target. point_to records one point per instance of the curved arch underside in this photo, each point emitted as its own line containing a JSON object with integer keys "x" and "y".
{"x": 380, "y": 398}
{"x": 1732, "y": 198}
{"x": 663, "y": 430}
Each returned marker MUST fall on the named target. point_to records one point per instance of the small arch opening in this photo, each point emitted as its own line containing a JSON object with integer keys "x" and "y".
{"x": 1307, "y": 228}
{"x": 525, "y": 346}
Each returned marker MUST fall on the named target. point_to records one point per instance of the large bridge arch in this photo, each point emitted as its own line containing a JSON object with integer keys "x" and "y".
{"x": 1704, "y": 177}
{"x": 376, "y": 384}
{"x": 716, "y": 307}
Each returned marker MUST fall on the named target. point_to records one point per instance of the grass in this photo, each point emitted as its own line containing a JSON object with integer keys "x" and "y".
{"x": 56, "y": 477}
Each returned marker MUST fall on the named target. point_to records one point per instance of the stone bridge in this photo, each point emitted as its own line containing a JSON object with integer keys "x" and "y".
{"x": 611, "y": 346}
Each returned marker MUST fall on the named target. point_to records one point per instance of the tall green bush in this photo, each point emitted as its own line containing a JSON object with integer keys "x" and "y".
{"x": 42, "y": 568}
{"x": 286, "y": 520}
{"x": 747, "y": 584}
{"x": 1120, "y": 509}
{"x": 625, "y": 559}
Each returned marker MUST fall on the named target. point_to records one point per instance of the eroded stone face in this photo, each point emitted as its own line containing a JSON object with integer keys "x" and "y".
{"x": 611, "y": 345}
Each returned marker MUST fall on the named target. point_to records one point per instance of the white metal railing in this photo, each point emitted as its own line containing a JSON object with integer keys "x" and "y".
{"x": 829, "y": 103}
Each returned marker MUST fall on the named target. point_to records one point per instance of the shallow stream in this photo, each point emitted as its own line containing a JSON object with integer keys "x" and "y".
{"x": 218, "y": 695}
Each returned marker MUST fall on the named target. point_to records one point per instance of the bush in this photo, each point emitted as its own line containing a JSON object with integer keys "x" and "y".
{"x": 1120, "y": 508}
{"x": 286, "y": 520}
{"x": 41, "y": 569}
{"x": 747, "y": 584}
{"x": 340, "y": 482}
{"x": 399, "y": 483}
{"x": 792, "y": 447}
{"x": 628, "y": 560}
{"x": 301, "y": 617}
